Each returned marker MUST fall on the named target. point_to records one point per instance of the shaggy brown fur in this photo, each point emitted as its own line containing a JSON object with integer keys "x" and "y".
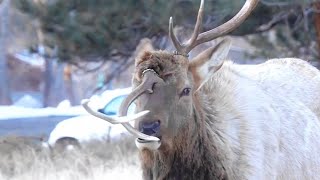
{"x": 193, "y": 157}
{"x": 163, "y": 63}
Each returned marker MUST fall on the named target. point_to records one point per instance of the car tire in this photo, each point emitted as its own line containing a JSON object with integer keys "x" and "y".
{"x": 67, "y": 143}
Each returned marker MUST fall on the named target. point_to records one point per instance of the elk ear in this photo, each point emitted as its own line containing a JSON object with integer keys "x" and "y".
{"x": 145, "y": 45}
{"x": 209, "y": 61}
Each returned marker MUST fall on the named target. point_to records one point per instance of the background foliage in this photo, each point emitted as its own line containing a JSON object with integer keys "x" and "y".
{"x": 89, "y": 29}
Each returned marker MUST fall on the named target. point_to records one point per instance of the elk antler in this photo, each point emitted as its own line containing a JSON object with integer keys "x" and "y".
{"x": 150, "y": 77}
{"x": 120, "y": 120}
{"x": 196, "y": 38}
{"x": 146, "y": 86}
{"x": 112, "y": 120}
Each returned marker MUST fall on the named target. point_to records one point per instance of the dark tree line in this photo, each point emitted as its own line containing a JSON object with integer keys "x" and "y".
{"x": 85, "y": 30}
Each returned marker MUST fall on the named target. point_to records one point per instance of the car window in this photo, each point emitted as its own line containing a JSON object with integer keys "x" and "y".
{"x": 113, "y": 106}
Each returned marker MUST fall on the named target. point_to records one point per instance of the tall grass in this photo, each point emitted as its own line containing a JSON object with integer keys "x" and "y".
{"x": 23, "y": 159}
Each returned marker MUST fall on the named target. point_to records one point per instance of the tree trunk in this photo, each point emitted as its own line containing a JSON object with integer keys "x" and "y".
{"x": 48, "y": 71}
{"x": 58, "y": 93}
{"x": 55, "y": 87}
{"x": 68, "y": 80}
{"x": 48, "y": 81}
{"x": 5, "y": 95}
{"x": 317, "y": 25}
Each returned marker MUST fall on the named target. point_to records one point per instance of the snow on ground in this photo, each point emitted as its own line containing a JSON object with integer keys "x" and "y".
{"x": 32, "y": 59}
{"x": 28, "y": 101}
{"x": 14, "y": 112}
{"x": 23, "y": 109}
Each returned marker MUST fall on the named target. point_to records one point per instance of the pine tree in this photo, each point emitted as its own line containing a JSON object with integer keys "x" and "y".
{"x": 85, "y": 30}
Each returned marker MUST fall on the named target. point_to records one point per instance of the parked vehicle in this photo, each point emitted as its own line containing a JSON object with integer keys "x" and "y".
{"x": 84, "y": 128}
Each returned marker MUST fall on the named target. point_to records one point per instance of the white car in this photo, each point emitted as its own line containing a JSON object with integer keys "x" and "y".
{"x": 87, "y": 127}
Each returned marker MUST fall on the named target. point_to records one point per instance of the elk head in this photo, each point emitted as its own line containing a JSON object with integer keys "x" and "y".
{"x": 165, "y": 84}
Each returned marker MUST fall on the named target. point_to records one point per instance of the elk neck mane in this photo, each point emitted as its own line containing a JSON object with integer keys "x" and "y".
{"x": 194, "y": 155}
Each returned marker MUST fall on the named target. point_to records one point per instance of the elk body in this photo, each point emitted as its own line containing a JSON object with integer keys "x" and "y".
{"x": 230, "y": 128}
{"x": 289, "y": 76}
{"x": 213, "y": 119}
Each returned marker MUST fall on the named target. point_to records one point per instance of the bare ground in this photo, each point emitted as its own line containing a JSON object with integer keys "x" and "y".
{"x": 23, "y": 158}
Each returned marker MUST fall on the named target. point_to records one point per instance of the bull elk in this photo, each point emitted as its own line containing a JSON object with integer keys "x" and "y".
{"x": 207, "y": 118}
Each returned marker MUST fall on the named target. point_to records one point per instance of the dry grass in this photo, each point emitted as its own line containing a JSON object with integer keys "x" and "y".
{"x": 25, "y": 159}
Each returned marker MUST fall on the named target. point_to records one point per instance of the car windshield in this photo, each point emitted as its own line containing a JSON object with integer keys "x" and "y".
{"x": 113, "y": 106}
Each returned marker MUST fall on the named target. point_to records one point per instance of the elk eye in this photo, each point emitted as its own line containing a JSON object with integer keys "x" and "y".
{"x": 185, "y": 92}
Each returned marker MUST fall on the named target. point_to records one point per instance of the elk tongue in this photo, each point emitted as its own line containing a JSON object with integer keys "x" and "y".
{"x": 143, "y": 140}
{"x": 146, "y": 144}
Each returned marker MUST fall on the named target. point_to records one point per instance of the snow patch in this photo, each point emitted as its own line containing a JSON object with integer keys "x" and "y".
{"x": 64, "y": 104}
{"x": 28, "y": 101}
{"x": 15, "y": 112}
{"x": 32, "y": 59}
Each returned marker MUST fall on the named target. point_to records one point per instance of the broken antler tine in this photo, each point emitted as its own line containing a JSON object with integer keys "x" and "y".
{"x": 173, "y": 37}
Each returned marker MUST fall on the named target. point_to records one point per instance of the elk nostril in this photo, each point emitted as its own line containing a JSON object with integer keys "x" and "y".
{"x": 151, "y": 125}
{"x": 150, "y": 128}
{"x": 156, "y": 126}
